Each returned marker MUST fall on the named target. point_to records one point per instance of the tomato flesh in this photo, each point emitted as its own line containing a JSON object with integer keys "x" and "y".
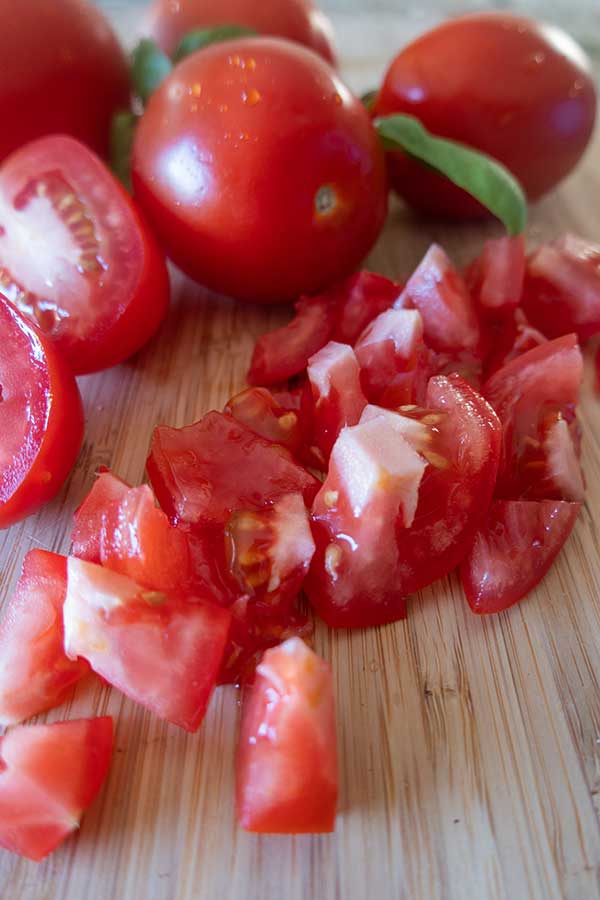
{"x": 495, "y": 278}
{"x": 161, "y": 652}
{"x": 275, "y": 420}
{"x": 287, "y": 769}
{"x": 41, "y": 418}
{"x": 75, "y": 256}
{"x": 509, "y": 339}
{"x": 513, "y": 549}
{"x": 49, "y": 775}
{"x": 35, "y": 674}
{"x": 334, "y": 376}
{"x": 107, "y": 490}
{"x": 388, "y": 354}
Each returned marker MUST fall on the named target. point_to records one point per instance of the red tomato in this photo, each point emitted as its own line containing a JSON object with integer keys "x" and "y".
{"x": 562, "y": 288}
{"x": 41, "y": 418}
{"x": 287, "y": 770}
{"x": 513, "y": 549}
{"x": 163, "y": 653}
{"x": 35, "y": 673}
{"x": 388, "y": 354}
{"x": 296, "y": 20}
{"x": 259, "y": 410}
{"x": 49, "y": 775}
{"x": 360, "y": 299}
{"x": 495, "y": 278}
{"x": 63, "y": 71}
{"x": 334, "y": 376}
{"x": 438, "y": 291}
{"x": 428, "y": 476}
{"x": 508, "y": 86}
{"x": 509, "y": 339}
{"x": 213, "y": 173}
{"x": 535, "y": 397}
{"x": 75, "y": 256}
{"x": 107, "y": 490}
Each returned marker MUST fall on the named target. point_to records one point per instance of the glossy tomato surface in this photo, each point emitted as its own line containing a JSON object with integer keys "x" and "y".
{"x": 75, "y": 255}
{"x": 107, "y": 491}
{"x": 516, "y": 89}
{"x": 513, "y": 549}
{"x": 63, "y": 71}
{"x": 41, "y": 418}
{"x": 49, "y": 775}
{"x": 35, "y": 673}
{"x": 287, "y": 769}
{"x": 334, "y": 377}
{"x": 213, "y": 161}
{"x": 296, "y": 20}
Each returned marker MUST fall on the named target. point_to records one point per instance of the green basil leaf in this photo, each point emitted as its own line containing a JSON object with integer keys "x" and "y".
{"x": 203, "y": 37}
{"x": 122, "y": 132}
{"x": 479, "y": 175}
{"x": 369, "y": 100}
{"x": 150, "y": 66}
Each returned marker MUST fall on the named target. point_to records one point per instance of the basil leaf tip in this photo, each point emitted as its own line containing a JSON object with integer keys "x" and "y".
{"x": 149, "y": 68}
{"x": 122, "y": 133}
{"x": 203, "y": 37}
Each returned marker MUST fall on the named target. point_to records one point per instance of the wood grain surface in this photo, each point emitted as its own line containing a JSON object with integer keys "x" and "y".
{"x": 469, "y": 747}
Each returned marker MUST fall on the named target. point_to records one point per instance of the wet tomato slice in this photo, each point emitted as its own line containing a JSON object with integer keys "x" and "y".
{"x": 513, "y": 549}
{"x": 41, "y": 418}
{"x": 35, "y": 673}
{"x": 535, "y": 397}
{"x": 75, "y": 256}
{"x": 334, "y": 376}
{"x": 495, "y": 278}
{"x": 287, "y": 768}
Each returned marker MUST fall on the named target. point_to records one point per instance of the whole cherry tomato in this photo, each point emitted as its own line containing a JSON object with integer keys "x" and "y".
{"x": 63, "y": 70}
{"x": 297, "y": 20}
{"x": 260, "y": 171}
{"x": 515, "y": 89}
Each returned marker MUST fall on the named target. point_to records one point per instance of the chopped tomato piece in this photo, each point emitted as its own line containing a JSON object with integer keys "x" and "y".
{"x": 287, "y": 769}
{"x": 438, "y": 291}
{"x": 361, "y": 298}
{"x": 276, "y": 420}
{"x": 204, "y": 472}
{"x": 106, "y": 491}
{"x": 513, "y": 549}
{"x": 162, "y": 652}
{"x": 388, "y": 354}
{"x": 532, "y": 395}
{"x": 49, "y": 775}
{"x": 334, "y": 375}
{"x": 35, "y": 673}
{"x": 562, "y": 288}
{"x": 495, "y": 278}
{"x": 510, "y": 339}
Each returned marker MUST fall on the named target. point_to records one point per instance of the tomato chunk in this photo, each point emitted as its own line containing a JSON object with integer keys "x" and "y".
{"x": 388, "y": 354}
{"x": 495, "y": 278}
{"x": 106, "y": 491}
{"x": 513, "y": 549}
{"x": 41, "y": 418}
{"x": 287, "y": 769}
{"x": 334, "y": 375}
{"x": 360, "y": 299}
{"x": 162, "y": 652}
{"x": 509, "y": 339}
{"x": 49, "y": 775}
{"x": 276, "y": 420}
{"x": 562, "y": 288}
{"x": 535, "y": 397}
{"x": 35, "y": 673}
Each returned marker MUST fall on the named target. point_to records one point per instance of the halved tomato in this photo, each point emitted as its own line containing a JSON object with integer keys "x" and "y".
{"x": 562, "y": 288}
{"x": 287, "y": 770}
{"x": 162, "y": 652}
{"x": 106, "y": 491}
{"x": 388, "y": 353}
{"x": 75, "y": 255}
{"x": 49, "y": 775}
{"x": 35, "y": 673}
{"x": 334, "y": 376}
{"x": 513, "y": 549}
{"x": 495, "y": 278}
{"x": 535, "y": 397}
{"x": 41, "y": 418}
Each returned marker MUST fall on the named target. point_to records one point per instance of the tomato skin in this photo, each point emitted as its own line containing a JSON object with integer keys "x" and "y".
{"x": 287, "y": 769}
{"x": 63, "y": 71}
{"x": 213, "y": 173}
{"x": 43, "y": 391}
{"x": 49, "y": 775}
{"x": 515, "y": 89}
{"x": 513, "y": 549}
{"x": 296, "y": 20}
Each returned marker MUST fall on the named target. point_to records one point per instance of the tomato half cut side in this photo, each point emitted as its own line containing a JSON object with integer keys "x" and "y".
{"x": 76, "y": 258}
{"x": 287, "y": 768}
{"x": 41, "y": 418}
{"x": 49, "y": 776}
{"x": 513, "y": 549}
{"x": 35, "y": 673}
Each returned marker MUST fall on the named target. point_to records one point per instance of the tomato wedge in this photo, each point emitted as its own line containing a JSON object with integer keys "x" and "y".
{"x": 41, "y": 418}
{"x": 49, "y": 775}
{"x": 513, "y": 549}
{"x": 287, "y": 769}
{"x": 495, "y": 278}
{"x": 334, "y": 376}
{"x": 562, "y": 288}
{"x": 107, "y": 490}
{"x": 75, "y": 256}
{"x": 162, "y": 652}
{"x": 388, "y": 353}
{"x": 35, "y": 673}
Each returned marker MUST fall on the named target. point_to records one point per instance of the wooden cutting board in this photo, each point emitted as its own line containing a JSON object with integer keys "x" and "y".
{"x": 469, "y": 748}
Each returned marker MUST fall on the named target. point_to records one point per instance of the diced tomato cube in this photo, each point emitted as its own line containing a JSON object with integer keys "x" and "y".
{"x": 387, "y": 352}
{"x": 275, "y": 420}
{"x": 495, "y": 278}
{"x": 360, "y": 299}
{"x": 334, "y": 375}
{"x": 107, "y": 489}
